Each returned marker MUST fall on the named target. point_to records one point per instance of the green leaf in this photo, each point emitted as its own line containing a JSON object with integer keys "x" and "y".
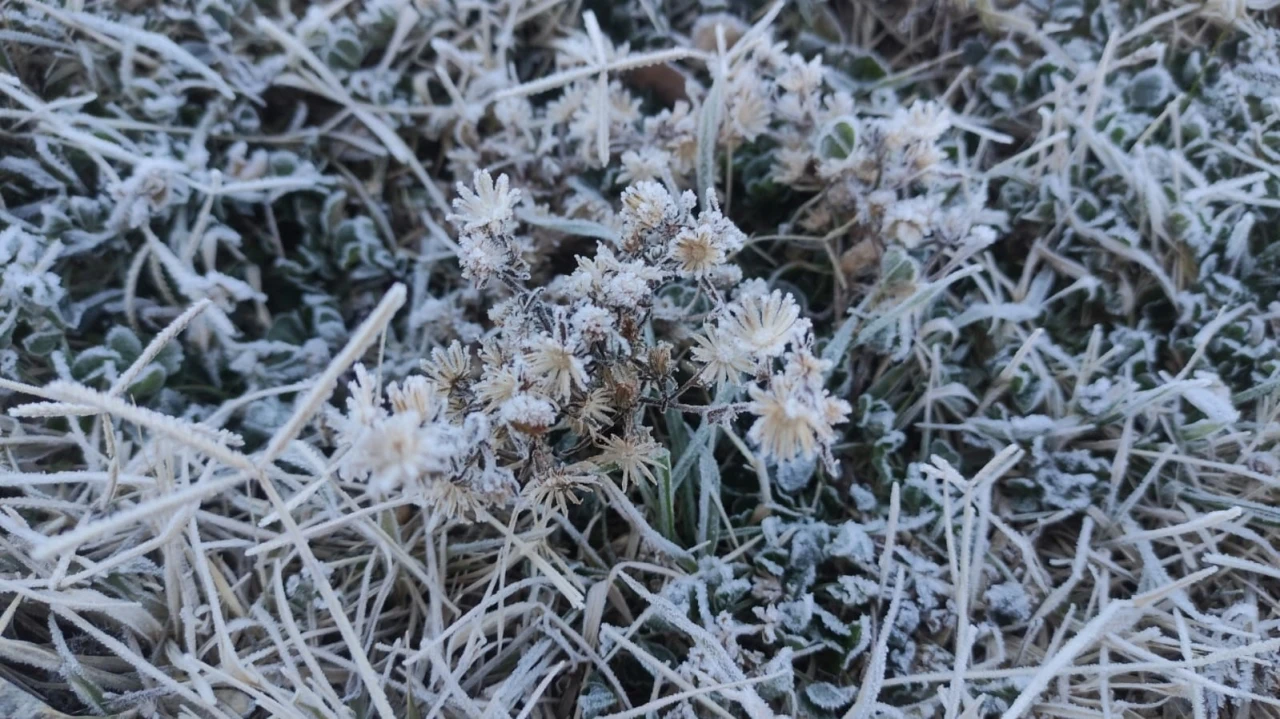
{"x": 708, "y": 498}
{"x": 149, "y": 381}
{"x": 838, "y": 345}
{"x": 596, "y": 699}
{"x": 1067, "y": 11}
{"x": 677, "y": 432}
{"x": 780, "y": 667}
{"x": 90, "y": 363}
{"x": 283, "y": 163}
{"x": 793, "y": 475}
{"x": 327, "y": 323}
{"x": 922, "y": 297}
{"x": 666, "y": 500}
{"x": 125, "y": 343}
{"x": 287, "y": 327}
{"x": 866, "y": 68}
{"x": 333, "y": 212}
{"x": 345, "y": 52}
{"x": 838, "y": 138}
{"x": 708, "y": 134}
{"x": 42, "y": 342}
{"x": 898, "y": 270}
{"x": 700, "y": 443}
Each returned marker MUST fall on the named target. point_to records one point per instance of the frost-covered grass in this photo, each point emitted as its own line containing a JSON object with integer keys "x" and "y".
{"x": 501, "y": 358}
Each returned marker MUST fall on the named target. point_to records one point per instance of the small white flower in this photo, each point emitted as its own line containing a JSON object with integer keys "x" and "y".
{"x": 633, "y": 455}
{"x": 363, "y": 406}
{"x": 801, "y": 77}
{"x": 724, "y": 359}
{"x": 592, "y": 323}
{"x": 787, "y": 426}
{"x": 481, "y": 257}
{"x": 147, "y": 192}
{"x": 396, "y": 454}
{"x": 699, "y": 251}
{"x": 908, "y": 222}
{"x": 927, "y": 120}
{"x": 648, "y": 163}
{"x": 497, "y": 384}
{"x": 766, "y": 324}
{"x": 448, "y": 367}
{"x": 594, "y": 413}
{"x": 416, "y": 395}
{"x": 806, "y": 369}
{"x": 528, "y": 413}
{"x": 791, "y": 164}
{"x": 646, "y": 206}
{"x": 559, "y": 487}
{"x": 796, "y": 415}
{"x": 560, "y": 370}
{"x": 754, "y": 287}
{"x": 490, "y": 208}
{"x": 728, "y": 235}
{"x": 749, "y": 109}
{"x": 613, "y": 283}
{"x": 696, "y": 251}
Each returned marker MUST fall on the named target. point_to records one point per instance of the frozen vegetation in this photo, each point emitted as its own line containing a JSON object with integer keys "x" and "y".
{"x": 395, "y": 359}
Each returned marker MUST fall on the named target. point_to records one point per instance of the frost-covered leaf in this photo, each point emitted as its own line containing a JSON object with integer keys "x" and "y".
{"x": 596, "y": 699}
{"x": 149, "y": 381}
{"x": 853, "y": 543}
{"x": 1150, "y": 88}
{"x": 1007, "y": 603}
{"x": 794, "y": 475}
{"x": 838, "y": 139}
{"x": 781, "y": 666}
{"x": 41, "y": 343}
{"x": 826, "y": 695}
{"x": 797, "y": 614}
{"x": 832, "y": 623}
{"x": 853, "y": 590}
{"x": 125, "y": 343}
{"x": 1213, "y": 399}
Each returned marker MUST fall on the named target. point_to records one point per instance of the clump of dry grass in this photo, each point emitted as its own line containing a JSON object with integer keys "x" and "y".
{"x": 399, "y": 359}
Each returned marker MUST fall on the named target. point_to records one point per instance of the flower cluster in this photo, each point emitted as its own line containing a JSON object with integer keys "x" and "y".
{"x": 796, "y": 413}
{"x": 559, "y": 390}
{"x": 409, "y": 442}
{"x": 486, "y": 220}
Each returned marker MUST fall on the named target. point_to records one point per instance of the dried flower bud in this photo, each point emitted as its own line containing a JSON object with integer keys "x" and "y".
{"x": 659, "y": 360}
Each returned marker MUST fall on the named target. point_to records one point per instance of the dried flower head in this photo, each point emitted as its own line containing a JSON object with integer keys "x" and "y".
{"x": 766, "y": 324}
{"x": 489, "y": 209}
{"x": 633, "y": 455}
{"x": 796, "y": 416}
{"x": 528, "y": 413}
{"x": 556, "y": 488}
{"x": 723, "y": 356}
{"x": 556, "y": 366}
{"x": 697, "y": 251}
